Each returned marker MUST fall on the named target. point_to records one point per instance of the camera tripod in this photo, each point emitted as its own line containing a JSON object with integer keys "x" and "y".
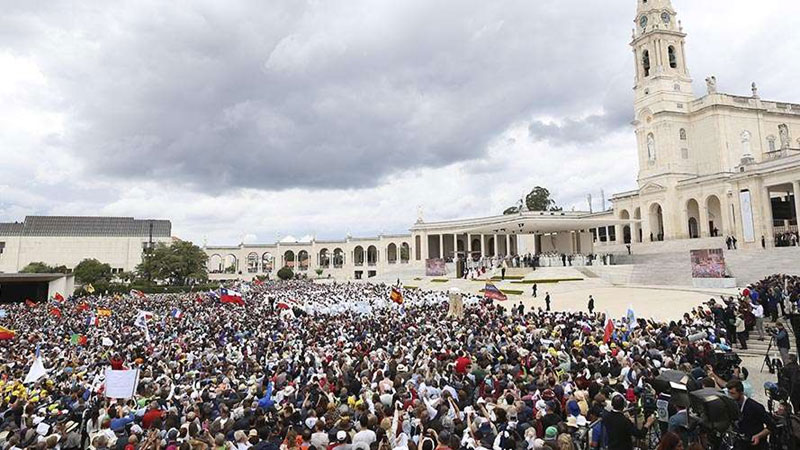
{"x": 767, "y": 361}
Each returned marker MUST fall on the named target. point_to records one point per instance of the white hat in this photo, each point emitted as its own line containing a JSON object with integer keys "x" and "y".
{"x": 341, "y": 435}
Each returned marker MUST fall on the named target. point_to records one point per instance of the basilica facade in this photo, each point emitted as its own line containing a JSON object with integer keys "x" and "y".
{"x": 710, "y": 166}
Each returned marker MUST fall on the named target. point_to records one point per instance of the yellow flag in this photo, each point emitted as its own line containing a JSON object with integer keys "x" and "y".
{"x": 90, "y": 288}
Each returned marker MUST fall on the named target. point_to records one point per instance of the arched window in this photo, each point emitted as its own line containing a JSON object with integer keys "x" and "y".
{"x": 673, "y": 58}
{"x": 771, "y": 143}
{"x": 682, "y": 134}
{"x": 646, "y": 63}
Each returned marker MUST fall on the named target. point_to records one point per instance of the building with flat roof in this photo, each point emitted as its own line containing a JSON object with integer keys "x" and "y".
{"x": 67, "y": 240}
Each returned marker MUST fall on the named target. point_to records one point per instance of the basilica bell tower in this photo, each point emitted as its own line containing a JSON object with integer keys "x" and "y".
{"x": 662, "y": 89}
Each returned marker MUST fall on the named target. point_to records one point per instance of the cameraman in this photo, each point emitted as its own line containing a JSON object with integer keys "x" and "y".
{"x": 754, "y": 421}
{"x": 620, "y": 429}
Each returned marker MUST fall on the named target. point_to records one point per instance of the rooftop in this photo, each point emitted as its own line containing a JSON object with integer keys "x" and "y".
{"x": 86, "y": 226}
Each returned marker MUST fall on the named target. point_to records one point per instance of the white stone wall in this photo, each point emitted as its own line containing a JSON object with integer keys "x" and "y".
{"x": 119, "y": 252}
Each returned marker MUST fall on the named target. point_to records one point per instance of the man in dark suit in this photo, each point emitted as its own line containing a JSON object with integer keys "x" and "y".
{"x": 547, "y": 300}
{"x": 621, "y": 430}
{"x": 754, "y": 421}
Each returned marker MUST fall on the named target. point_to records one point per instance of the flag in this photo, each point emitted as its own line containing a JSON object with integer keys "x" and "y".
{"x": 396, "y": 296}
{"x": 491, "y": 291}
{"x": 77, "y": 339}
{"x": 30, "y": 303}
{"x": 138, "y": 293}
{"x": 103, "y": 312}
{"x": 37, "y": 369}
{"x": 3, "y": 313}
{"x": 609, "y": 330}
{"x": 6, "y": 334}
{"x": 631, "y": 316}
{"x": 230, "y": 296}
{"x": 258, "y": 282}
{"x": 141, "y": 322}
{"x": 82, "y": 306}
{"x": 92, "y": 320}
{"x": 176, "y": 313}
{"x": 58, "y": 297}
{"x": 56, "y": 312}
{"x": 89, "y": 288}
{"x": 283, "y": 305}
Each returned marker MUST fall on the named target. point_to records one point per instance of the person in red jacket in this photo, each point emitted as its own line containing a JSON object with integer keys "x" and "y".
{"x": 462, "y": 364}
{"x": 151, "y": 415}
{"x": 117, "y": 363}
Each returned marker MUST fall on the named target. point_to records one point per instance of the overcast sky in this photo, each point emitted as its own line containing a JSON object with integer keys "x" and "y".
{"x": 253, "y": 120}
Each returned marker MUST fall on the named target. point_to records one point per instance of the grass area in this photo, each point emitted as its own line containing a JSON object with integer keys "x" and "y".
{"x": 509, "y": 277}
{"x": 509, "y": 291}
{"x": 439, "y": 280}
{"x": 417, "y": 279}
{"x": 546, "y": 280}
{"x": 411, "y": 287}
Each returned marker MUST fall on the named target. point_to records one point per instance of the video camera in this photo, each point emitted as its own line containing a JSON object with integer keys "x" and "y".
{"x": 724, "y": 363}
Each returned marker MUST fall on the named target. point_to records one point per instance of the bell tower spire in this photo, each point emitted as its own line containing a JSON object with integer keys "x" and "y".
{"x": 659, "y": 52}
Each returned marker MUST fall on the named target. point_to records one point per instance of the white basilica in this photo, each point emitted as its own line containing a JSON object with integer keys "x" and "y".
{"x": 717, "y": 165}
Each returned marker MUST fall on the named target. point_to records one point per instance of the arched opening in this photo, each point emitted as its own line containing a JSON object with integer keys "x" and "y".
{"x": 324, "y": 258}
{"x": 626, "y": 229}
{"x": 372, "y": 255}
{"x": 215, "y": 264}
{"x": 302, "y": 259}
{"x": 682, "y": 134}
{"x": 714, "y": 207}
{"x": 673, "y": 57}
{"x": 693, "y": 218}
{"x": 267, "y": 262}
{"x": 288, "y": 259}
{"x": 490, "y": 247}
{"x": 338, "y": 258}
{"x": 646, "y": 62}
{"x": 656, "y": 222}
{"x": 252, "y": 262}
{"x": 231, "y": 264}
{"x": 391, "y": 253}
{"x": 476, "y": 249}
{"x": 358, "y": 255}
{"x": 405, "y": 253}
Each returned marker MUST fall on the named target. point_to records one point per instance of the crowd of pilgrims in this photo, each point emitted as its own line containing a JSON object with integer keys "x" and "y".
{"x": 303, "y": 365}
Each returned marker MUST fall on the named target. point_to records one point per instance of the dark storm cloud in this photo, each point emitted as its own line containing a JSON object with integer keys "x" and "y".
{"x": 220, "y": 96}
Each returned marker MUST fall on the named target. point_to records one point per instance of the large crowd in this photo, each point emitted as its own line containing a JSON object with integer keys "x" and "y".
{"x": 313, "y": 366}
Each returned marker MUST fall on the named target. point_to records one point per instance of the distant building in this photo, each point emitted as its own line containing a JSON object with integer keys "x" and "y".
{"x": 67, "y": 240}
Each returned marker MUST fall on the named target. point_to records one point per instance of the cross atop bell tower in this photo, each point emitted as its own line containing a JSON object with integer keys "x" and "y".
{"x": 659, "y": 52}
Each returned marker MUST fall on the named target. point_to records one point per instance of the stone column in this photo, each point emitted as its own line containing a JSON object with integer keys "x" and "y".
{"x": 769, "y": 233}
{"x": 703, "y": 225}
{"x": 508, "y": 245}
{"x": 469, "y": 246}
{"x": 455, "y": 246}
{"x": 796, "y": 191}
{"x": 494, "y": 239}
{"x": 441, "y": 245}
{"x": 483, "y": 245}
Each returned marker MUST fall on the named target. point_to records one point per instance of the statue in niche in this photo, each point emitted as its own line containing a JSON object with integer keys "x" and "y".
{"x": 746, "y": 143}
{"x": 783, "y": 132}
{"x": 711, "y": 84}
{"x": 651, "y": 147}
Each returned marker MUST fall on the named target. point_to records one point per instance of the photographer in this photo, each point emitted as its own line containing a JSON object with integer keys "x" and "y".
{"x": 754, "y": 421}
{"x": 782, "y": 341}
{"x": 621, "y": 430}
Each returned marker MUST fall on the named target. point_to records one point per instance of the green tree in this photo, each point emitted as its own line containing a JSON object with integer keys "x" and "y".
{"x": 92, "y": 271}
{"x": 41, "y": 267}
{"x": 538, "y": 199}
{"x": 178, "y": 264}
{"x": 285, "y": 273}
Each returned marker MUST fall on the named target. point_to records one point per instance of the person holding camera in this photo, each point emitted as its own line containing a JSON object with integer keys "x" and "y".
{"x": 754, "y": 421}
{"x": 619, "y": 427}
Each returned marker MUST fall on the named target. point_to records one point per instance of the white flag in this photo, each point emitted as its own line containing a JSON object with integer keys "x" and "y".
{"x": 37, "y": 371}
